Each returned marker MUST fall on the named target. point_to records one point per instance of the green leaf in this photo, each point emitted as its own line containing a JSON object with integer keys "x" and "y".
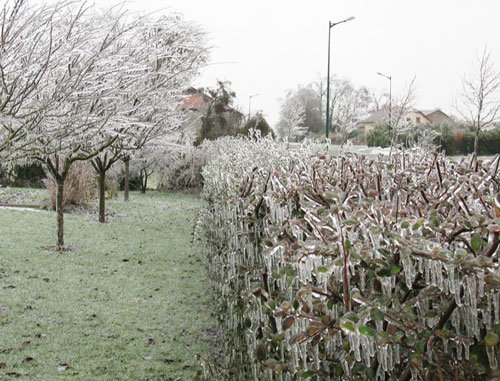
{"x": 352, "y": 317}
{"x": 268, "y": 242}
{"x": 395, "y": 269}
{"x": 376, "y": 314}
{"x": 308, "y": 373}
{"x": 329, "y": 304}
{"x": 322, "y": 269}
{"x": 398, "y": 336}
{"x": 296, "y": 304}
{"x": 421, "y": 346}
{"x": 348, "y": 246}
{"x": 431, "y": 313}
{"x": 405, "y": 224}
{"x": 350, "y": 222}
{"x": 491, "y": 339}
{"x": 366, "y": 330}
{"x": 496, "y": 329}
{"x": 248, "y": 322}
{"x": 384, "y": 272}
{"x": 348, "y": 325}
{"x": 476, "y": 242}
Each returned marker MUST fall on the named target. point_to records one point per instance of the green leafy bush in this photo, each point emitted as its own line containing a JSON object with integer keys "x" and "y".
{"x": 379, "y": 137}
{"x": 353, "y": 267}
{"x": 462, "y": 143}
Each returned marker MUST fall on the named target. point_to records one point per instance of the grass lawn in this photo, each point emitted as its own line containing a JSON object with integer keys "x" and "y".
{"x": 130, "y": 302}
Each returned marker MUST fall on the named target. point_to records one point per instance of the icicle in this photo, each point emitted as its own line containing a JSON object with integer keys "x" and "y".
{"x": 450, "y": 268}
{"x": 496, "y": 307}
{"x": 414, "y": 374}
{"x": 457, "y": 292}
{"x": 408, "y": 269}
{"x": 354, "y": 339}
{"x": 492, "y": 359}
{"x": 397, "y": 357}
{"x": 480, "y": 283}
{"x": 383, "y": 357}
{"x": 390, "y": 362}
{"x": 466, "y": 349}
{"x": 459, "y": 351}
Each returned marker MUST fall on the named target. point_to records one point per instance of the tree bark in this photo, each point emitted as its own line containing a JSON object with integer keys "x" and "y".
{"x": 126, "y": 185}
{"x": 102, "y": 196}
{"x": 476, "y": 139}
{"x": 144, "y": 182}
{"x": 59, "y": 212}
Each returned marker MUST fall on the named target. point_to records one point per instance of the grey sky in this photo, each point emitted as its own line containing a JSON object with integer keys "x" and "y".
{"x": 276, "y": 45}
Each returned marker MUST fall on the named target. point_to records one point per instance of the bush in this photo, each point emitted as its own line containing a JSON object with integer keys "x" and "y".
{"x": 183, "y": 169}
{"x": 80, "y": 186}
{"x": 27, "y": 175}
{"x": 354, "y": 267}
{"x": 380, "y": 136}
{"x": 257, "y": 122}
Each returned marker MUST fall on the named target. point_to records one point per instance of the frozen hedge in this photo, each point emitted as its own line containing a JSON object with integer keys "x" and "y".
{"x": 353, "y": 267}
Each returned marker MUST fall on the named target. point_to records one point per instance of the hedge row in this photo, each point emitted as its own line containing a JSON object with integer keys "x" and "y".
{"x": 353, "y": 267}
{"x": 449, "y": 141}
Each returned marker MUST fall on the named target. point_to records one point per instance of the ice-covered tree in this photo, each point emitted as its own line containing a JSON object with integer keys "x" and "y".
{"x": 30, "y": 47}
{"x": 169, "y": 52}
{"x": 292, "y": 115}
{"x": 348, "y": 105}
{"x": 479, "y": 104}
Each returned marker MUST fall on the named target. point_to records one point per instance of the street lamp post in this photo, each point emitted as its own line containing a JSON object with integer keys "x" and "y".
{"x": 330, "y": 26}
{"x": 390, "y": 101}
{"x": 249, "y": 100}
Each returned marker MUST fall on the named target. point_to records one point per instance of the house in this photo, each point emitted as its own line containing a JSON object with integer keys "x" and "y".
{"x": 195, "y": 106}
{"x": 413, "y": 117}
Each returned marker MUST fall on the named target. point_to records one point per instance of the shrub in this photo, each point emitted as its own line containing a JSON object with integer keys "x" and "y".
{"x": 379, "y": 137}
{"x": 27, "y": 175}
{"x": 183, "y": 169}
{"x": 353, "y": 267}
{"x": 79, "y": 187}
{"x": 257, "y": 122}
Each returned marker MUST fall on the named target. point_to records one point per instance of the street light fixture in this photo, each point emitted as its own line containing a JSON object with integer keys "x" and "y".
{"x": 390, "y": 101}
{"x": 249, "y": 100}
{"x": 330, "y": 26}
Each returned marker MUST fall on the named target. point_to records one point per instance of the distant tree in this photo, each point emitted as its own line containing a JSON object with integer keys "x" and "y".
{"x": 220, "y": 118}
{"x": 348, "y": 105}
{"x": 258, "y": 122}
{"x": 291, "y": 125}
{"x": 479, "y": 104}
{"x": 311, "y": 99}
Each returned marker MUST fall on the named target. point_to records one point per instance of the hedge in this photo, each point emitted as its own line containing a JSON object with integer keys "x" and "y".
{"x": 353, "y": 267}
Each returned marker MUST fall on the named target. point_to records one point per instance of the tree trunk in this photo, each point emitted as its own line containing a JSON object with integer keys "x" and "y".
{"x": 476, "y": 140}
{"x": 102, "y": 196}
{"x": 126, "y": 185}
{"x": 144, "y": 182}
{"x": 60, "y": 215}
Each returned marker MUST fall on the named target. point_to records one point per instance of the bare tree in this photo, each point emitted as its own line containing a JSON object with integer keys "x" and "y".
{"x": 29, "y": 52}
{"x": 170, "y": 52}
{"x": 292, "y": 115}
{"x": 479, "y": 103}
{"x": 348, "y": 105}
{"x": 402, "y": 105}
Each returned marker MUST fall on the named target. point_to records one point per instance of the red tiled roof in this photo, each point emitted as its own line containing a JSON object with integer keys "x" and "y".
{"x": 194, "y": 102}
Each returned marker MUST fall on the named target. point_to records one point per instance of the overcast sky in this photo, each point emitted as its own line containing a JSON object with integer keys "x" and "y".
{"x": 267, "y": 47}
